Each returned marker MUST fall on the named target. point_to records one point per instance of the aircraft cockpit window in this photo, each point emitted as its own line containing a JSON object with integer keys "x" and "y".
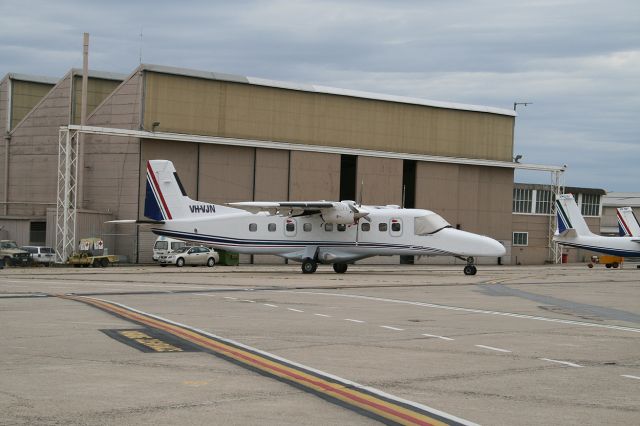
{"x": 253, "y": 227}
{"x": 382, "y": 227}
{"x": 271, "y": 227}
{"x": 365, "y": 226}
{"x": 429, "y": 224}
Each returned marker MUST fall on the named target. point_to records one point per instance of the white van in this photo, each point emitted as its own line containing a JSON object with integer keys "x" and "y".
{"x": 165, "y": 245}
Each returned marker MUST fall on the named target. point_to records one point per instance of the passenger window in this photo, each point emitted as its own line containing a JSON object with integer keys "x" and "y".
{"x": 328, "y": 227}
{"x": 395, "y": 226}
{"x": 253, "y": 227}
{"x": 306, "y": 227}
{"x": 342, "y": 227}
{"x": 272, "y": 227}
{"x": 365, "y": 226}
{"x": 290, "y": 227}
{"x": 382, "y": 227}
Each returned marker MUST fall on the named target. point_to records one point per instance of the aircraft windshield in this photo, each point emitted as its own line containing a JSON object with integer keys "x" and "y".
{"x": 429, "y": 224}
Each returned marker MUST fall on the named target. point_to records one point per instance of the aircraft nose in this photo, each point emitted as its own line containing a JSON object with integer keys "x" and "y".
{"x": 494, "y": 247}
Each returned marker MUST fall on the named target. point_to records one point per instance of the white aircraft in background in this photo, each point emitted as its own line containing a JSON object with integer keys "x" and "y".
{"x": 628, "y": 222}
{"x": 312, "y": 232}
{"x": 574, "y": 232}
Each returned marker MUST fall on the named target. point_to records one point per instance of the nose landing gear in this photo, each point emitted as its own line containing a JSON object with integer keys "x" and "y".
{"x": 470, "y": 269}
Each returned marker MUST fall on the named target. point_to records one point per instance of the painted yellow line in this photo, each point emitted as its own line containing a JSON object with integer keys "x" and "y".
{"x": 368, "y": 401}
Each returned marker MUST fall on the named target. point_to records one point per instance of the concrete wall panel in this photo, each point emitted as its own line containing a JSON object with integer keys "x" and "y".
{"x": 314, "y": 176}
{"x": 225, "y": 173}
{"x": 382, "y": 179}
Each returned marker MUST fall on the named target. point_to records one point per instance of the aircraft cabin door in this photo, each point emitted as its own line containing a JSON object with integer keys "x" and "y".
{"x": 395, "y": 227}
{"x": 290, "y": 227}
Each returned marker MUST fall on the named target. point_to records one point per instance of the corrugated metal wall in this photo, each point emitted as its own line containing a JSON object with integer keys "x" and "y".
{"x": 222, "y": 108}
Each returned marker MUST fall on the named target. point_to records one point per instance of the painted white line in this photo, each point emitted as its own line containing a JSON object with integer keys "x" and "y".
{"x": 270, "y": 305}
{"x": 323, "y": 315}
{"x": 247, "y": 300}
{"x": 437, "y": 337}
{"x": 388, "y": 327}
{"x": 630, "y": 377}
{"x": 295, "y": 310}
{"x": 570, "y": 364}
{"x": 475, "y": 311}
{"x": 230, "y": 298}
{"x": 353, "y": 320}
{"x": 491, "y": 348}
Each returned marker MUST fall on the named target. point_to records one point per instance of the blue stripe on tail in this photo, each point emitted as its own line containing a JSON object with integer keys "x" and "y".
{"x": 151, "y": 206}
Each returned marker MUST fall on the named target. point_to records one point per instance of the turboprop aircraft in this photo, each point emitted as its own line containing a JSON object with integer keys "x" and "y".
{"x": 574, "y": 232}
{"x": 628, "y": 222}
{"x": 311, "y": 232}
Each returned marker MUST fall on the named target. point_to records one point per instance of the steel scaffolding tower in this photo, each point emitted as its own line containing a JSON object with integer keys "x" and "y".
{"x": 66, "y": 202}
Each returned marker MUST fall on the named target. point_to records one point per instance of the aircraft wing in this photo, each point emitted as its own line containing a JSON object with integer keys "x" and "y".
{"x": 284, "y": 208}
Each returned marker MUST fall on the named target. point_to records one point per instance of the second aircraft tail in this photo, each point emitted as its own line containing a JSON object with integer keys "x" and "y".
{"x": 569, "y": 217}
{"x": 628, "y": 225}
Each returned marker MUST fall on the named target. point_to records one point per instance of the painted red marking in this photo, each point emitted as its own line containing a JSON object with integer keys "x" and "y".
{"x": 155, "y": 184}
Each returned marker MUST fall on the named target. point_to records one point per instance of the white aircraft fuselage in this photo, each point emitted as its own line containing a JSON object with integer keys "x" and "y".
{"x": 310, "y": 232}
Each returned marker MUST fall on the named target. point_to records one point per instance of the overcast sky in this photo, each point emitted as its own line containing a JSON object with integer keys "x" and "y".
{"x": 578, "y": 61}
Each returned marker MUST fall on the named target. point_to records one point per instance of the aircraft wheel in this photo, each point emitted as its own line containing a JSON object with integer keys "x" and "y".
{"x": 470, "y": 270}
{"x": 180, "y": 262}
{"x": 211, "y": 262}
{"x": 340, "y": 268}
{"x": 309, "y": 266}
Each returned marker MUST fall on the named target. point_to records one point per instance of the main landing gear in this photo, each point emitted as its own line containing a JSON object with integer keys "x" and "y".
{"x": 470, "y": 269}
{"x": 309, "y": 266}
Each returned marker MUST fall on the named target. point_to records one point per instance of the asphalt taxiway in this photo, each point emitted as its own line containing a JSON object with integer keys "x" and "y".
{"x": 268, "y": 345}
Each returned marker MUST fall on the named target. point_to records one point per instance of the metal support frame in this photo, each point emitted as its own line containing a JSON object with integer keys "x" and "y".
{"x": 557, "y": 188}
{"x": 67, "y": 198}
{"x": 66, "y": 209}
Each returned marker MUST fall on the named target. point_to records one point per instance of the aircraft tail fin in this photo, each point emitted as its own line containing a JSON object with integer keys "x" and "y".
{"x": 166, "y": 198}
{"x": 628, "y": 225}
{"x": 570, "y": 218}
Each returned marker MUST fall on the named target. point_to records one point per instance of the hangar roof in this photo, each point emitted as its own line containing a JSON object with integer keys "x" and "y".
{"x": 324, "y": 89}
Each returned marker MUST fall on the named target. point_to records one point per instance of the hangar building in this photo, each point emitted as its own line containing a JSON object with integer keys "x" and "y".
{"x": 235, "y": 138}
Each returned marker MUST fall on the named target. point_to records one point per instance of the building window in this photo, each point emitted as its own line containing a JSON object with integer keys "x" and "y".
{"x": 520, "y": 238}
{"x": 365, "y": 226}
{"x": 306, "y": 227}
{"x": 543, "y": 201}
{"x": 382, "y": 227}
{"x": 38, "y": 233}
{"x": 522, "y": 200}
{"x": 271, "y": 227}
{"x": 328, "y": 227}
{"x": 253, "y": 227}
{"x": 590, "y": 205}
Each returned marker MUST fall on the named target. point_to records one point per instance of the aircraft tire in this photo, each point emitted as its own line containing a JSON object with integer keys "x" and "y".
{"x": 340, "y": 268}
{"x": 470, "y": 270}
{"x": 309, "y": 266}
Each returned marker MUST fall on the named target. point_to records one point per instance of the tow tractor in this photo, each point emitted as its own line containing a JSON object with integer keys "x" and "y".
{"x": 92, "y": 253}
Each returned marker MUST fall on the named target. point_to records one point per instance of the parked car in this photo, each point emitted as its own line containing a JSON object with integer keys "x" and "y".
{"x": 41, "y": 254}
{"x": 165, "y": 245}
{"x": 190, "y": 256}
{"x": 13, "y": 255}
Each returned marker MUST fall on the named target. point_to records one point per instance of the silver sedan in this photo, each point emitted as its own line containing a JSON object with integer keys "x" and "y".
{"x": 190, "y": 256}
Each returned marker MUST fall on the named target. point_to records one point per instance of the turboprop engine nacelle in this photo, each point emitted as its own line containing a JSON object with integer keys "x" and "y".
{"x": 339, "y": 214}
